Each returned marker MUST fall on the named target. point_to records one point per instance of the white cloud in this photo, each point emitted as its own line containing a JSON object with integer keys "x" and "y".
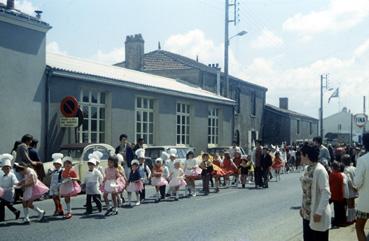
{"x": 267, "y": 39}
{"x": 24, "y": 6}
{"x": 362, "y": 49}
{"x": 111, "y": 57}
{"x": 338, "y": 15}
{"x": 54, "y": 47}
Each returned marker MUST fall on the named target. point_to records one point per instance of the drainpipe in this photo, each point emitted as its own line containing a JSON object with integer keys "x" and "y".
{"x": 49, "y": 73}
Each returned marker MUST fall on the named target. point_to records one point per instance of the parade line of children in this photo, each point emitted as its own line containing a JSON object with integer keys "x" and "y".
{"x": 111, "y": 182}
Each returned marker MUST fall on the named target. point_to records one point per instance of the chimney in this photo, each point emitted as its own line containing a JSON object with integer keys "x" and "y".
{"x": 135, "y": 51}
{"x": 283, "y": 103}
{"x": 10, "y": 4}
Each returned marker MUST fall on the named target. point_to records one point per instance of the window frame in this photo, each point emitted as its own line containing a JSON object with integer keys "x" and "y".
{"x": 213, "y": 126}
{"x": 183, "y": 121}
{"x": 147, "y": 135}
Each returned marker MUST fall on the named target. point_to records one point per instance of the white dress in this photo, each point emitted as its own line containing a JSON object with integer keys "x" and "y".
{"x": 93, "y": 181}
{"x": 55, "y": 182}
{"x": 177, "y": 178}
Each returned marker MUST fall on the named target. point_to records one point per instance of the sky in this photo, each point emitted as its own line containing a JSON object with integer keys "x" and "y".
{"x": 288, "y": 46}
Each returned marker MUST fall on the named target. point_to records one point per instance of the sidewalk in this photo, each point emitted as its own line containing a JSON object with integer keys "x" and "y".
{"x": 345, "y": 234}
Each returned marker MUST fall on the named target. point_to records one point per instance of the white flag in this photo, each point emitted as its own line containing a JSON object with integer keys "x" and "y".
{"x": 335, "y": 94}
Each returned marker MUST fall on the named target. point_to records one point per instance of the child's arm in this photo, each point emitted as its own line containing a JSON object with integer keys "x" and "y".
{"x": 148, "y": 172}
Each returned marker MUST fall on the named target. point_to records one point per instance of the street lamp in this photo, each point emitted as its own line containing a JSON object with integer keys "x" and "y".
{"x": 226, "y": 46}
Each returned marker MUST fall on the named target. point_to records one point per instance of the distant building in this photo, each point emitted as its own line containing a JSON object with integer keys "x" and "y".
{"x": 282, "y": 125}
{"x": 337, "y": 128}
{"x": 249, "y": 97}
{"x": 113, "y": 100}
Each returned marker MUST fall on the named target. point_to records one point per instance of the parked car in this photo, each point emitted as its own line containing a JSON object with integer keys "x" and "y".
{"x": 154, "y": 152}
{"x": 79, "y": 154}
{"x": 218, "y": 149}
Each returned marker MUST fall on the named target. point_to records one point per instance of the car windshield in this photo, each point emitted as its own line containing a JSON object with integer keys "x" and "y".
{"x": 102, "y": 149}
{"x": 153, "y": 153}
{"x": 74, "y": 153}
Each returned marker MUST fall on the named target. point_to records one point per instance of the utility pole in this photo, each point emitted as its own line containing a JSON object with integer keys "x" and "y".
{"x": 364, "y": 111}
{"x": 322, "y": 86}
{"x": 226, "y": 39}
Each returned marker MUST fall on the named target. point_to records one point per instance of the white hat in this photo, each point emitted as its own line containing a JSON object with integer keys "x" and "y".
{"x": 97, "y": 155}
{"x": 237, "y": 150}
{"x": 135, "y": 162}
{"x": 159, "y": 160}
{"x": 173, "y": 152}
{"x": 67, "y": 158}
{"x": 6, "y": 159}
{"x": 164, "y": 156}
{"x": 120, "y": 157}
{"x": 57, "y": 158}
{"x": 92, "y": 161}
{"x": 140, "y": 153}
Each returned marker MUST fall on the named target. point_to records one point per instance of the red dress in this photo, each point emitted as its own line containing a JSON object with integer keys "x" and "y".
{"x": 228, "y": 167}
{"x": 218, "y": 171}
{"x": 277, "y": 164}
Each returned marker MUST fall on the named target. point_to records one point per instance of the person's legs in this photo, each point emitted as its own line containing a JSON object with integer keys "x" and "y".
{"x": 97, "y": 200}
{"x": 2, "y": 210}
{"x": 321, "y": 236}
{"x": 88, "y": 203}
{"x": 351, "y": 217}
{"x": 360, "y": 225}
{"x": 142, "y": 193}
{"x": 162, "y": 191}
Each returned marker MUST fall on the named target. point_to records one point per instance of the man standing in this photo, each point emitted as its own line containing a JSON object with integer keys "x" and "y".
{"x": 22, "y": 157}
{"x": 361, "y": 181}
{"x": 266, "y": 163}
{"x": 126, "y": 151}
{"x": 324, "y": 156}
{"x": 257, "y": 161}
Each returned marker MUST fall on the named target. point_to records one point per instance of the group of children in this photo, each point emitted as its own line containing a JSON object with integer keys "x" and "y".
{"x": 111, "y": 182}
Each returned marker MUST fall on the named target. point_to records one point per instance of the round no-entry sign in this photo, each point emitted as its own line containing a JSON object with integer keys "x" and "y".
{"x": 360, "y": 120}
{"x": 69, "y": 106}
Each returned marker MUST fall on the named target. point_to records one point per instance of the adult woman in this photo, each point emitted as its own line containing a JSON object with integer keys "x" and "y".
{"x": 361, "y": 181}
{"x": 352, "y": 194}
{"x": 315, "y": 210}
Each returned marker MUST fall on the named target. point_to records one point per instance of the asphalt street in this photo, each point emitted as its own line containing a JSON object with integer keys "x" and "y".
{"x": 230, "y": 215}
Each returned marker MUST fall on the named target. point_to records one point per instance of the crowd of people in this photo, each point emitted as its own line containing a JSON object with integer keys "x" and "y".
{"x": 333, "y": 176}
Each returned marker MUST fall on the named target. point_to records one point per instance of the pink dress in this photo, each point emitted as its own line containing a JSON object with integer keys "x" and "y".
{"x": 1, "y": 192}
{"x": 69, "y": 188}
{"x": 37, "y": 190}
{"x": 112, "y": 183}
{"x": 177, "y": 179}
{"x": 158, "y": 180}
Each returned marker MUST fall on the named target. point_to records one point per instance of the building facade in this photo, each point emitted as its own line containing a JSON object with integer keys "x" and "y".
{"x": 249, "y": 98}
{"x": 285, "y": 126}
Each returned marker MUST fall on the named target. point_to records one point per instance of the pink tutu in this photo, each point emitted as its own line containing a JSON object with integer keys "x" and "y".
{"x": 135, "y": 186}
{"x": 193, "y": 172}
{"x": 177, "y": 182}
{"x": 121, "y": 184}
{"x": 110, "y": 186}
{"x": 1, "y": 192}
{"x": 70, "y": 189}
{"x": 158, "y": 181}
{"x": 35, "y": 192}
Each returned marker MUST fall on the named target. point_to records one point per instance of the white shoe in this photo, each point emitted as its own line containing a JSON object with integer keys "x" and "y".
{"x": 26, "y": 221}
{"x": 41, "y": 216}
{"x": 194, "y": 194}
{"x": 138, "y": 203}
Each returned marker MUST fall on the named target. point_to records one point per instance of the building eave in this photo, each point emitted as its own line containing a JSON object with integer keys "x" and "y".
{"x": 23, "y": 20}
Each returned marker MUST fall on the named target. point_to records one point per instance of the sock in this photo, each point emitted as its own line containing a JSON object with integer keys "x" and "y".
{"x": 25, "y": 210}
{"x": 177, "y": 195}
{"x": 138, "y": 196}
{"x": 68, "y": 208}
{"x": 38, "y": 210}
{"x": 129, "y": 197}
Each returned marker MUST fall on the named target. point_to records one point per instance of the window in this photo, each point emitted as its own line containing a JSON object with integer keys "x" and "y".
{"x": 183, "y": 124}
{"x": 93, "y": 108}
{"x": 253, "y": 103}
{"x": 298, "y": 126}
{"x": 311, "y": 128}
{"x": 213, "y": 126}
{"x": 145, "y": 119}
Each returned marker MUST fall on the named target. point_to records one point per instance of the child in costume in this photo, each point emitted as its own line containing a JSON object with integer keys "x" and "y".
{"x": 7, "y": 182}
{"x": 177, "y": 179}
{"x": 157, "y": 179}
{"x": 277, "y": 166}
{"x": 135, "y": 183}
{"x": 92, "y": 184}
{"x": 229, "y": 167}
{"x": 56, "y": 180}
{"x": 207, "y": 170}
{"x": 192, "y": 172}
{"x": 111, "y": 186}
{"x": 121, "y": 181}
{"x": 165, "y": 158}
{"x": 33, "y": 189}
{"x": 69, "y": 186}
{"x": 144, "y": 171}
{"x": 244, "y": 170}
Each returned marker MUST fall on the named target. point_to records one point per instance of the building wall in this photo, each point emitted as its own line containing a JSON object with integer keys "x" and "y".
{"x": 191, "y": 76}
{"x": 305, "y": 133}
{"x": 276, "y": 128}
{"x": 22, "y": 92}
{"x": 121, "y": 115}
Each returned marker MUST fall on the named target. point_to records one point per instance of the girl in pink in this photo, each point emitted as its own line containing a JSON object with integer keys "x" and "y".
{"x": 33, "y": 189}
{"x": 111, "y": 185}
{"x": 69, "y": 186}
{"x": 177, "y": 179}
{"x": 157, "y": 179}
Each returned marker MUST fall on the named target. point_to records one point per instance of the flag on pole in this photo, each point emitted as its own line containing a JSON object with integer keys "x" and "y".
{"x": 335, "y": 94}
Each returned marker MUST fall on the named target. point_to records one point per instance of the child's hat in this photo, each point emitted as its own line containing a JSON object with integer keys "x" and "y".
{"x": 6, "y": 160}
{"x": 173, "y": 152}
{"x": 164, "y": 156}
{"x": 159, "y": 160}
{"x": 67, "y": 159}
{"x": 97, "y": 155}
{"x": 92, "y": 161}
{"x": 57, "y": 158}
{"x": 140, "y": 153}
{"x": 244, "y": 157}
{"x": 120, "y": 157}
{"x": 135, "y": 162}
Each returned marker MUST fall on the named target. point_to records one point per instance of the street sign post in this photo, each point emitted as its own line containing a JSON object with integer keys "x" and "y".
{"x": 360, "y": 120}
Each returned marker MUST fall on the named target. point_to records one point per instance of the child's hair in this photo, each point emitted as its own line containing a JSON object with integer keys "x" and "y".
{"x": 346, "y": 159}
{"x": 114, "y": 159}
{"x": 337, "y": 166}
{"x": 20, "y": 168}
